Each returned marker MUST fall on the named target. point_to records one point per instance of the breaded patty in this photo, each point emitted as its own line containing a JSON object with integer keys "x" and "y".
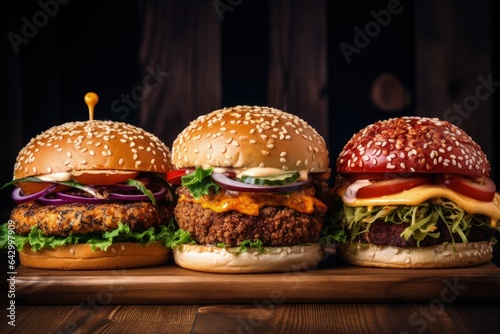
{"x": 76, "y": 218}
{"x": 274, "y": 226}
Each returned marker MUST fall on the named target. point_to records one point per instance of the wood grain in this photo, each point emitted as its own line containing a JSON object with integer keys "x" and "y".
{"x": 337, "y": 284}
{"x": 298, "y": 61}
{"x": 181, "y": 38}
{"x": 321, "y": 318}
{"x": 93, "y": 318}
{"x": 453, "y": 51}
{"x": 86, "y": 317}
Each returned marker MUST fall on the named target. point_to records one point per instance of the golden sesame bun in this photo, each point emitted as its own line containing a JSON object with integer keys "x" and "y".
{"x": 92, "y": 146}
{"x": 246, "y": 136}
{"x": 81, "y": 257}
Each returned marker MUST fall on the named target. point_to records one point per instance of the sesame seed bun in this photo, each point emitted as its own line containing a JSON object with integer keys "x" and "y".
{"x": 269, "y": 142}
{"x": 120, "y": 255}
{"x": 92, "y": 145}
{"x": 413, "y": 145}
{"x": 273, "y": 259}
{"x": 437, "y": 256}
{"x": 99, "y": 157}
{"x": 246, "y": 136}
{"x": 426, "y": 224}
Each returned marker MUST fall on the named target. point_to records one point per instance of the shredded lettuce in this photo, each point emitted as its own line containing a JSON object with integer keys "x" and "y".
{"x": 199, "y": 182}
{"x": 422, "y": 219}
{"x": 166, "y": 234}
{"x": 244, "y": 246}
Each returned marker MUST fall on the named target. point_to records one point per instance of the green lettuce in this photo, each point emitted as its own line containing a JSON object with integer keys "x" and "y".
{"x": 244, "y": 246}
{"x": 422, "y": 219}
{"x": 332, "y": 233}
{"x": 166, "y": 235}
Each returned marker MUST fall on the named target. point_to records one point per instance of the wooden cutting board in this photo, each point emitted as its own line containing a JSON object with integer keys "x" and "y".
{"x": 329, "y": 283}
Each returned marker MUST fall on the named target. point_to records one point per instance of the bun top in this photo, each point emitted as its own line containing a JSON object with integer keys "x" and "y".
{"x": 246, "y": 136}
{"x": 92, "y": 145}
{"x": 413, "y": 145}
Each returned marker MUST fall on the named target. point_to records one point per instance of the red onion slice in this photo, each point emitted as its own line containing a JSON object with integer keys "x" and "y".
{"x": 127, "y": 187}
{"x": 53, "y": 201}
{"x": 229, "y": 184}
{"x": 19, "y": 198}
{"x": 80, "y": 199}
{"x": 158, "y": 195}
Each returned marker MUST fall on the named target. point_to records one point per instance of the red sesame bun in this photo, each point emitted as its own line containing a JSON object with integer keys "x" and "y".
{"x": 413, "y": 145}
{"x": 411, "y": 187}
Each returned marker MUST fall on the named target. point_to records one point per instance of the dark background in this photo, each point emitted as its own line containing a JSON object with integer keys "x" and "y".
{"x": 102, "y": 46}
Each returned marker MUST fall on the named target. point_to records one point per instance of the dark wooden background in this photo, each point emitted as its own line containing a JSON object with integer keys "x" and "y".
{"x": 426, "y": 58}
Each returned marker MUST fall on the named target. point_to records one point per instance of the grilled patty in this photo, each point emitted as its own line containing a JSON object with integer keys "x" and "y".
{"x": 274, "y": 226}
{"x": 76, "y": 218}
{"x": 382, "y": 233}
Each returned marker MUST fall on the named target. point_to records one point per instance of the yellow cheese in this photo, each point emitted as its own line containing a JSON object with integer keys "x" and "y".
{"x": 423, "y": 193}
{"x": 250, "y": 203}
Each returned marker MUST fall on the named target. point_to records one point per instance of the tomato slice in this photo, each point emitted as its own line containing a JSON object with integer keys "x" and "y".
{"x": 174, "y": 177}
{"x": 351, "y": 177}
{"x": 103, "y": 177}
{"x": 482, "y": 189}
{"x": 387, "y": 187}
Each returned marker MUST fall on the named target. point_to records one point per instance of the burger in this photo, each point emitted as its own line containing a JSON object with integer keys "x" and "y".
{"x": 91, "y": 195}
{"x": 247, "y": 181}
{"x": 415, "y": 192}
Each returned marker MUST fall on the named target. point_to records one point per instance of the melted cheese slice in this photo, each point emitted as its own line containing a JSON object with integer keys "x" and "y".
{"x": 250, "y": 203}
{"x": 423, "y": 193}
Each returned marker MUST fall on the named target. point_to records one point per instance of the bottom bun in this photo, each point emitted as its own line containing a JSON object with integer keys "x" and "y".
{"x": 438, "y": 256}
{"x": 81, "y": 257}
{"x": 221, "y": 260}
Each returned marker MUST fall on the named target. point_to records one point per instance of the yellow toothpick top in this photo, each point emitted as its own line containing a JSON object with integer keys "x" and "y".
{"x": 91, "y": 100}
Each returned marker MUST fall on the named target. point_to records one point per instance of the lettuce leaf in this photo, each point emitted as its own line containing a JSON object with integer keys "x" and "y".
{"x": 244, "y": 246}
{"x": 199, "y": 182}
{"x": 422, "y": 219}
{"x": 122, "y": 233}
{"x": 332, "y": 233}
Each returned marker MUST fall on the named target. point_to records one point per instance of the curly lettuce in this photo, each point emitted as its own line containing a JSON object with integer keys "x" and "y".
{"x": 200, "y": 182}
{"x": 167, "y": 235}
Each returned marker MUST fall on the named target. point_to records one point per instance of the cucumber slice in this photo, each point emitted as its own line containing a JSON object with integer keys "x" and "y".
{"x": 272, "y": 180}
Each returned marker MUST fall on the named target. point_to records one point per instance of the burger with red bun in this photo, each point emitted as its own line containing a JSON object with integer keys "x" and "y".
{"x": 248, "y": 180}
{"x": 416, "y": 193}
{"x": 91, "y": 195}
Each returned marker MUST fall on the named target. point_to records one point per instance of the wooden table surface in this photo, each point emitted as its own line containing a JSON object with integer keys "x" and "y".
{"x": 178, "y": 301}
{"x": 269, "y": 318}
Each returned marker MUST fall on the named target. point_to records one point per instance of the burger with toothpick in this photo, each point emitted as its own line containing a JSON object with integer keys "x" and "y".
{"x": 91, "y": 195}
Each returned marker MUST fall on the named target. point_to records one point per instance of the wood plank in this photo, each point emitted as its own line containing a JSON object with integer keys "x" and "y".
{"x": 322, "y": 318}
{"x": 329, "y": 284}
{"x": 90, "y": 317}
{"x": 181, "y": 39}
{"x": 297, "y": 60}
{"x": 265, "y": 318}
{"x": 453, "y": 59}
